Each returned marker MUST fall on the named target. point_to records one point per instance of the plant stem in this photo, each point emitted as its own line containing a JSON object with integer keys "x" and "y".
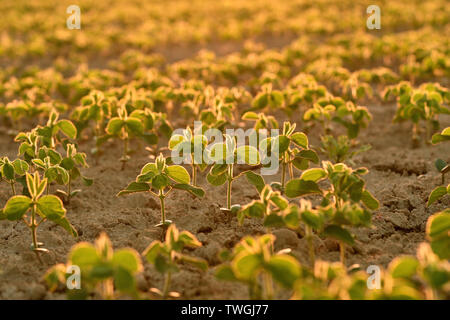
{"x": 33, "y": 227}
{"x": 194, "y": 175}
{"x": 342, "y": 252}
{"x": 268, "y": 286}
{"x": 312, "y": 256}
{"x": 13, "y": 189}
{"x": 125, "y": 152}
{"x": 163, "y": 208}
{"x": 167, "y": 285}
{"x": 283, "y": 174}
{"x": 230, "y": 181}
{"x": 69, "y": 189}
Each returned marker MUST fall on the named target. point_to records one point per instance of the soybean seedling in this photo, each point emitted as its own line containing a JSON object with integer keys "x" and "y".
{"x": 268, "y": 97}
{"x": 416, "y": 104}
{"x": 273, "y": 208}
{"x": 13, "y": 171}
{"x": 347, "y": 188}
{"x": 442, "y": 166}
{"x": 292, "y": 149}
{"x": 347, "y": 114}
{"x": 191, "y": 146}
{"x": 30, "y": 209}
{"x": 158, "y": 177}
{"x": 72, "y": 163}
{"x": 254, "y": 263}
{"x": 102, "y": 271}
{"x": 225, "y": 155}
{"x": 50, "y": 132}
{"x": 123, "y": 126}
{"x": 341, "y": 149}
{"x": 168, "y": 255}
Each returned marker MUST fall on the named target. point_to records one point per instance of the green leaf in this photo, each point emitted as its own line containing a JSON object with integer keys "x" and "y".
{"x": 440, "y": 164}
{"x": 68, "y": 128}
{"x": 403, "y": 267}
{"x": 284, "y": 269}
{"x": 438, "y": 228}
{"x": 436, "y": 194}
{"x": 309, "y": 155}
{"x": 8, "y": 171}
{"x": 124, "y": 280}
{"x": 199, "y": 192}
{"x": 314, "y": 174}
{"x": 282, "y": 143}
{"x": 225, "y": 272}
{"x": 339, "y": 234}
{"x": 300, "y": 139}
{"x": 248, "y": 155}
{"x": 216, "y": 180}
{"x": 369, "y": 200}
{"x": 250, "y": 116}
{"x": 83, "y": 255}
{"x": 128, "y": 259}
{"x": 16, "y": 207}
{"x": 135, "y": 187}
{"x": 196, "y": 262}
{"x": 245, "y": 265}
{"x": 20, "y": 167}
{"x": 160, "y": 181}
{"x": 256, "y": 180}
{"x": 175, "y": 140}
{"x": 114, "y": 126}
{"x": 297, "y": 187}
{"x": 440, "y": 137}
{"x": 51, "y": 207}
{"x": 134, "y": 126}
{"x": 178, "y": 174}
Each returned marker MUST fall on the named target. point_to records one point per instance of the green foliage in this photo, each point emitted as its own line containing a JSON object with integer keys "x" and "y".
{"x": 419, "y": 104}
{"x": 192, "y": 146}
{"x": 341, "y": 149}
{"x": 292, "y": 149}
{"x": 254, "y": 263}
{"x": 37, "y": 206}
{"x": 158, "y": 177}
{"x": 225, "y": 155}
{"x": 327, "y": 110}
{"x": 13, "y": 171}
{"x": 104, "y": 272}
{"x": 438, "y": 233}
{"x": 167, "y": 256}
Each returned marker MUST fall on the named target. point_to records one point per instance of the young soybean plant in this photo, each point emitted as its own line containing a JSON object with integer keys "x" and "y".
{"x": 158, "y": 177}
{"x": 123, "y": 126}
{"x": 341, "y": 149}
{"x": 166, "y": 256}
{"x": 345, "y": 193}
{"x": 50, "y": 132}
{"x": 442, "y": 166}
{"x": 273, "y": 208}
{"x": 72, "y": 163}
{"x": 103, "y": 271}
{"x": 292, "y": 149}
{"x": 225, "y": 155}
{"x": 13, "y": 171}
{"x": 39, "y": 208}
{"x": 254, "y": 263}
{"x": 192, "y": 145}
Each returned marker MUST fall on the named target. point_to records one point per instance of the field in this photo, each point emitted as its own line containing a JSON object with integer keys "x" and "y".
{"x": 91, "y": 118}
